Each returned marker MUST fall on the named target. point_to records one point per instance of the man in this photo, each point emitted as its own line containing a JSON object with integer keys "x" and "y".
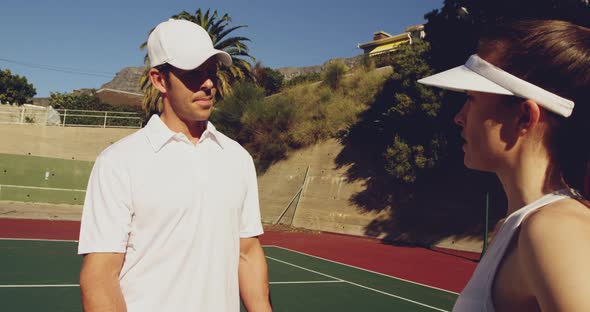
{"x": 171, "y": 215}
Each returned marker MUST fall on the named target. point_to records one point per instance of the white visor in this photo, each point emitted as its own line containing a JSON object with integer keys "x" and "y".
{"x": 479, "y": 75}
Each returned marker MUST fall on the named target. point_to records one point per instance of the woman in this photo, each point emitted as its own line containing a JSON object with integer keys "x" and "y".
{"x": 527, "y": 119}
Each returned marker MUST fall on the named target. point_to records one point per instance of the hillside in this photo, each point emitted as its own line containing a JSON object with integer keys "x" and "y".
{"x": 292, "y": 72}
{"x": 126, "y": 80}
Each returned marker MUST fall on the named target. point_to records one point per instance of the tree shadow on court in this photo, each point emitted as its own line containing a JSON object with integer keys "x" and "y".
{"x": 447, "y": 200}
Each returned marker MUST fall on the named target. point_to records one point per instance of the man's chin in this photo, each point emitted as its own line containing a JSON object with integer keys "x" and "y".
{"x": 201, "y": 117}
{"x": 201, "y": 113}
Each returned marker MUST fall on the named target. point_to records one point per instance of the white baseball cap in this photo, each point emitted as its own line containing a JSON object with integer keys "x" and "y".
{"x": 182, "y": 44}
{"x": 479, "y": 75}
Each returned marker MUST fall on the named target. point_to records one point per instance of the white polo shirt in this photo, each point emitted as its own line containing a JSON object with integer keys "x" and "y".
{"x": 177, "y": 210}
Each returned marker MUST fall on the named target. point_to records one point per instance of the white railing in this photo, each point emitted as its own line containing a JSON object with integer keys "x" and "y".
{"x": 39, "y": 115}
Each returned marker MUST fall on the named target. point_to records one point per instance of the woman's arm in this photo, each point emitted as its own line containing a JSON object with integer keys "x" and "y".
{"x": 554, "y": 256}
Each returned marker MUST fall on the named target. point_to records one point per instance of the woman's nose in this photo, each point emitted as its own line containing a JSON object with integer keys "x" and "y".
{"x": 460, "y": 117}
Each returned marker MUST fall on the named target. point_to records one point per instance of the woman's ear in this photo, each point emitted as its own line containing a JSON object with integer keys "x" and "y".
{"x": 158, "y": 80}
{"x": 529, "y": 114}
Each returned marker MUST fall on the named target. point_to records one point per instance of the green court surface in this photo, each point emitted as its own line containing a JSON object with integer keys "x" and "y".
{"x": 42, "y": 179}
{"x": 38, "y": 275}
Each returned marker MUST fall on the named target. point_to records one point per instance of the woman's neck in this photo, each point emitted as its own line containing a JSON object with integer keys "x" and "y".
{"x": 527, "y": 179}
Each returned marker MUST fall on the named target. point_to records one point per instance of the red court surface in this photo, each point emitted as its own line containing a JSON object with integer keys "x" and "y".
{"x": 446, "y": 269}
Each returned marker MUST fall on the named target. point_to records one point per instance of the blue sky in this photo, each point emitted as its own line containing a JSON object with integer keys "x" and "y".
{"x": 102, "y": 37}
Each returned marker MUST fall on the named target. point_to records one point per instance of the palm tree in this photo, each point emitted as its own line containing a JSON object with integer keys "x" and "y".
{"x": 218, "y": 29}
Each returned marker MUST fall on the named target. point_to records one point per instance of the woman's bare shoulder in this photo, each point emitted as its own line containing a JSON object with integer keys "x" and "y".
{"x": 564, "y": 219}
{"x": 567, "y": 211}
{"x": 553, "y": 250}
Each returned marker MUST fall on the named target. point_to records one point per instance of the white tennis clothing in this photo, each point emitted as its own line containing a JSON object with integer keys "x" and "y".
{"x": 177, "y": 210}
{"x": 477, "y": 295}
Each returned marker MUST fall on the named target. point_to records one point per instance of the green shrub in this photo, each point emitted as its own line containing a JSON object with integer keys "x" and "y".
{"x": 90, "y": 103}
{"x": 307, "y": 78}
{"x": 333, "y": 74}
{"x": 269, "y": 79}
{"x": 228, "y": 113}
{"x": 261, "y": 125}
{"x": 302, "y": 115}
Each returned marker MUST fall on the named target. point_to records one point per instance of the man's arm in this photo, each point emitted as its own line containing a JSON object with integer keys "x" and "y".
{"x": 99, "y": 282}
{"x": 253, "y": 275}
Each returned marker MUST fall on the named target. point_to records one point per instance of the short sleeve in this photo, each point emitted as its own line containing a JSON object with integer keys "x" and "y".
{"x": 250, "y": 223}
{"x": 106, "y": 216}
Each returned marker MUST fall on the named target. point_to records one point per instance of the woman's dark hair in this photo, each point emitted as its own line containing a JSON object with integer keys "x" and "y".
{"x": 554, "y": 55}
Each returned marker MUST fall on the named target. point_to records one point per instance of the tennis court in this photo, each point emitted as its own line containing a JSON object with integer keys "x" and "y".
{"x": 42, "y": 275}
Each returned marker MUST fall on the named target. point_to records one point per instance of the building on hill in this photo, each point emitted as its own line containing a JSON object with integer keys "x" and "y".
{"x": 416, "y": 31}
{"x": 124, "y": 89}
{"x": 40, "y": 101}
{"x": 119, "y": 98}
{"x": 384, "y": 44}
{"x": 84, "y": 91}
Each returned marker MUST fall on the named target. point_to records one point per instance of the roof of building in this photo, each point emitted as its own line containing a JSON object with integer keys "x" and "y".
{"x": 401, "y": 37}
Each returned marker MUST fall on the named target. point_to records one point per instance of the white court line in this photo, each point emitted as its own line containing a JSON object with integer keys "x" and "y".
{"x": 78, "y": 285}
{"x": 41, "y": 188}
{"x": 305, "y": 282}
{"x": 40, "y": 240}
{"x": 352, "y": 266}
{"x": 39, "y": 286}
{"x": 359, "y": 285}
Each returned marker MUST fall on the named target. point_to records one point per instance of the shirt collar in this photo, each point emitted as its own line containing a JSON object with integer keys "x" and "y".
{"x": 159, "y": 134}
{"x": 215, "y": 135}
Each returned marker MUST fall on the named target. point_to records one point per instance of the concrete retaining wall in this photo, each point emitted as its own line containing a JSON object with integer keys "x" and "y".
{"x": 58, "y": 142}
{"x": 325, "y": 202}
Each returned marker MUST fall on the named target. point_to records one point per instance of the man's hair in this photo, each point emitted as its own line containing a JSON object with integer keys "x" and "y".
{"x": 554, "y": 55}
{"x": 165, "y": 69}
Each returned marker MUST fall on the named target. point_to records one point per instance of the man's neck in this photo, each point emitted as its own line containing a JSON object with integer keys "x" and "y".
{"x": 192, "y": 129}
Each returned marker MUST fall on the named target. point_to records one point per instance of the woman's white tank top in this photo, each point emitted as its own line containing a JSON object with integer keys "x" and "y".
{"x": 477, "y": 295}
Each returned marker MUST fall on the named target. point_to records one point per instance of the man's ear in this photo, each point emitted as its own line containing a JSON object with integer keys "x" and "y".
{"x": 158, "y": 80}
{"x": 529, "y": 114}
